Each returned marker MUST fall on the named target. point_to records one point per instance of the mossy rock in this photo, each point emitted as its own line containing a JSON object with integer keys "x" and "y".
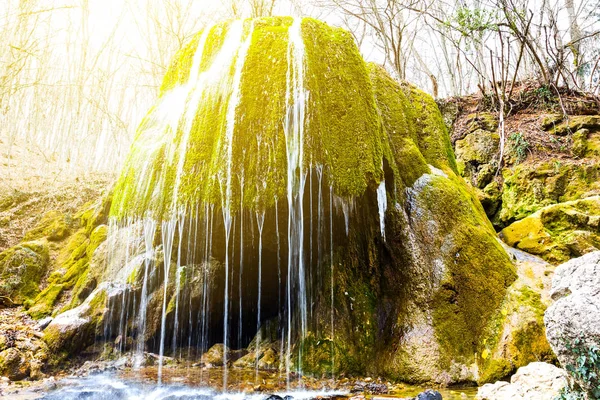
{"x": 13, "y": 364}
{"x": 531, "y": 186}
{"x": 482, "y": 120}
{"x": 71, "y": 268}
{"x": 479, "y": 147}
{"x": 572, "y": 124}
{"x": 77, "y": 328}
{"x": 558, "y": 232}
{"x": 518, "y": 336}
{"x": 21, "y": 270}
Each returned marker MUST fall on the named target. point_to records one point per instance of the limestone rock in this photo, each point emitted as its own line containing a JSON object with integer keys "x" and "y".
{"x": 77, "y": 328}
{"x": 558, "y": 232}
{"x": 53, "y": 226}
{"x": 573, "y": 320}
{"x": 478, "y": 147}
{"x": 538, "y": 380}
{"x": 572, "y": 123}
{"x": 428, "y": 265}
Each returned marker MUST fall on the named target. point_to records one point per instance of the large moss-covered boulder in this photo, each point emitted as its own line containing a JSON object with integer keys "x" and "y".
{"x": 276, "y": 155}
{"x": 558, "y": 232}
{"x": 518, "y": 335}
{"x": 21, "y": 270}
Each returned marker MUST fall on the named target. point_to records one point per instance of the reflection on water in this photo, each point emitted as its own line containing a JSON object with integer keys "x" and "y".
{"x": 199, "y": 384}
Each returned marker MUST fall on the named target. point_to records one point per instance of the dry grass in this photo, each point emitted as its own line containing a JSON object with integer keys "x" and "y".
{"x": 31, "y": 185}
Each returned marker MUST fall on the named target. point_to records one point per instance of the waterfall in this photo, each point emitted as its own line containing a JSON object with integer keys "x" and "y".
{"x": 332, "y": 279}
{"x": 149, "y": 232}
{"x": 199, "y": 238}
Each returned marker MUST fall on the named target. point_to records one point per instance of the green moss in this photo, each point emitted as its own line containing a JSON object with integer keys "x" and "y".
{"x": 77, "y": 331}
{"x": 432, "y": 135}
{"x": 72, "y": 265}
{"x": 495, "y": 370}
{"x": 344, "y": 131}
{"x": 574, "y": 123}
{"x": 43, "y": 304}
{"x": 53, "y": 226}
{"x": 478, "y": 272}
{"x": 97, "y": 237}
{"x": 340, "y": 118}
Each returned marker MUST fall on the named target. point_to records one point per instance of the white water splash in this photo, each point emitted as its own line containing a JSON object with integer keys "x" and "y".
{"x": 382, "y": 206}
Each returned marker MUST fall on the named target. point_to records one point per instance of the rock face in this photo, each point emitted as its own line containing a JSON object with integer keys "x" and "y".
{"x": 573, "y": 320}
{"x": 540, "y": 381}
{"x": 13, "y": 364}
{"x": 418, "y": 275}
{"x": 22, "y": 353}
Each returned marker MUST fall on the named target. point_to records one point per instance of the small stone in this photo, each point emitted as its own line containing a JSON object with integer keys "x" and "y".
{"x": 429, "y": 394}
{"x": 43, "y": 323}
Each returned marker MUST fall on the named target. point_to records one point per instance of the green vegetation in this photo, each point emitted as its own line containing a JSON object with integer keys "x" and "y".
{"x": 520, "y": 145}
{"x": 585, "y": 372}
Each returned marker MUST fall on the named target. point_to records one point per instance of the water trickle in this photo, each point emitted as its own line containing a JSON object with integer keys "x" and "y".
{"x": 332, "y": 281}
{"x": 149, "y": 232}
{"x": 260, "y": 221}
{"x": 168, "y": 234}
{"x": 382, "y": 206}
{"x": 178, "y": 271}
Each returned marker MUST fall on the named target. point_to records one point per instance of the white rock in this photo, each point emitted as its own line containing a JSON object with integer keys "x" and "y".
{"x": 575, "y": 313}
{"x": 538, "y": 380}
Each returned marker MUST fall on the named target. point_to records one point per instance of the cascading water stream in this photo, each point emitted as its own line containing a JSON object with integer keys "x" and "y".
{"x": 149, "y": 232}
